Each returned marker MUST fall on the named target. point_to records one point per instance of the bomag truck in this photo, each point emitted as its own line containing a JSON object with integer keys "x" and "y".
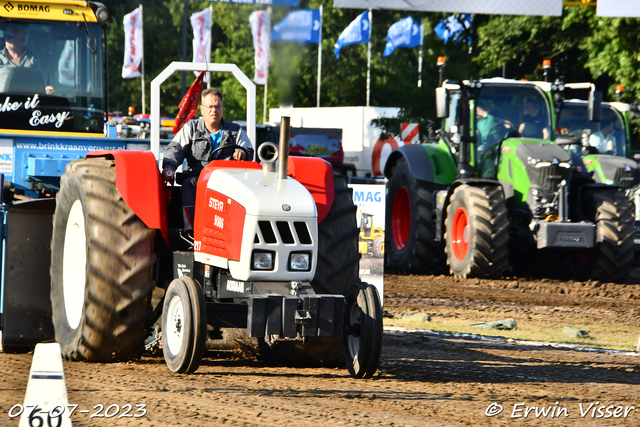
{"x": 497, "y": 192}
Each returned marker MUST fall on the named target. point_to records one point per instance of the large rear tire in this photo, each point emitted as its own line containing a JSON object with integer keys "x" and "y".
{"x": 477, "y": 232}
{"x": 615, "y": 233}
{"x": 410, "y": 243}
{"x": 337, "y": 270}
{"x": 102, "y": 258}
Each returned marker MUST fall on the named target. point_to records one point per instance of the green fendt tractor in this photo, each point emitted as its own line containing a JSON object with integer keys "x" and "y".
{"x": 497, "y": 191}
{"x": 605, "y": 146}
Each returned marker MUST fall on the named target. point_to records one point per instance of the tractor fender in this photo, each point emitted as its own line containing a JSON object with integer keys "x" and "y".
{"x": 442, "y": 199}
{"x": 417, "y": 158}
{"x": 316, "y": 175}
{"x": 141, "y": 186}
{"x": 432, "y": 163}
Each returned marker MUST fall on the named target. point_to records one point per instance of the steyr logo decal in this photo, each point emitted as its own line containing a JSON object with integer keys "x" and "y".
{"x": 8, "y": 7}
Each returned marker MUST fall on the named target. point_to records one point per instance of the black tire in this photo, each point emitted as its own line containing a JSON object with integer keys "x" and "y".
{"x": 199, "y": 318}
{"x": 363, "y": 339}
{"x": 337, "y": 270}
{"x": 378, "y": 247}
{"x": 476, "y": 234}
{"x": 410, "y": 243}
{"x": 105, "y": 313}
{"x": 615, "y": 233}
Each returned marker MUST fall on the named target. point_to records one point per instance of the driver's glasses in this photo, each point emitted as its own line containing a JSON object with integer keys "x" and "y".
{"x": 212, "y": 107}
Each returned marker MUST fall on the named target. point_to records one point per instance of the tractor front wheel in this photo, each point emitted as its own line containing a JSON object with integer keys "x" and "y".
{"x": 102, "y": 259}
{"x": 476, "y": 232}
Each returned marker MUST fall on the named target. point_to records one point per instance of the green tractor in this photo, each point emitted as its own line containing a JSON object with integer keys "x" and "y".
{"x": 605, "y": 146}
{"x": 497, "y": 191}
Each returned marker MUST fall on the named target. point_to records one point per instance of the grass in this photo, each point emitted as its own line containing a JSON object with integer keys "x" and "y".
{"x": 607, "y": 335}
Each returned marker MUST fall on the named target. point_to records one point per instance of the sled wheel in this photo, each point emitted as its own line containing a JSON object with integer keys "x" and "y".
{"x": 363, "y": 336}
{"x": 102, "y": 259}
{"x": 183, "y": 329}
{"x": 477, "y": 232}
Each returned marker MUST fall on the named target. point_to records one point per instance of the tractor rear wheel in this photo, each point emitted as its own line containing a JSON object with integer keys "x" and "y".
{"x": 615, "y": 233}
{"x": 410, "y": 246}
{"x": 337, "y": 270}
{"x": 476, "y": 232}
{"x": 102, "y": 259}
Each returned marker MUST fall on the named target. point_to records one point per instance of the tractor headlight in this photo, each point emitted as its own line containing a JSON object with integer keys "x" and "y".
{"x": 300, "y": 261}
{"x": 262, "y": 260}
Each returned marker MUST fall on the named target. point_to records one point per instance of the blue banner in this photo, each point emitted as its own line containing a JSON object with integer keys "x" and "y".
{"x": 357, "y": 32}
{"x": 453, "y": 27}
{"x": 404, "y": 33}
{"x": 302, "y": 26}
{"x": 292, "y": 3}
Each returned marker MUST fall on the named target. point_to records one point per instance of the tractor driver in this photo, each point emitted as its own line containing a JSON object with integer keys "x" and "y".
{"x": 196, "y": 142}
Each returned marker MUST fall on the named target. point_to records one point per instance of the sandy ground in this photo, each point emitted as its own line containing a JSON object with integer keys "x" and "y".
{"x": 425, "y": 379}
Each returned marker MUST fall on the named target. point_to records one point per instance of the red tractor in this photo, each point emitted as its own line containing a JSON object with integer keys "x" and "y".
{"x": 274, "y": 251}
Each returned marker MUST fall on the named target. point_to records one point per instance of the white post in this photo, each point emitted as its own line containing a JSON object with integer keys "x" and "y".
{"x": 142, "y": 74}
{"x": 199, "y": 66}
{"x": 420, "y": 56}
{"x": 209, "y": 58}
{"x": 266, "y": 84}
{"x": 369, "y": 60}
{"x": 319, "y": 59}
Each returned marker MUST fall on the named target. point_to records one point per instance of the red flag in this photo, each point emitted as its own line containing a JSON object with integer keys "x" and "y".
{"x": 189, "y": 104}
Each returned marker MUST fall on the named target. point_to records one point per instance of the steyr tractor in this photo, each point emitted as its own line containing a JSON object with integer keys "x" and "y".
{"x": 497, "y": 191}
{"x": 274, "y": 251}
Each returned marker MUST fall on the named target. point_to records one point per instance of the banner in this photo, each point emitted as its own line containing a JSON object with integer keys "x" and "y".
{"x": 490, "y": 7}
{"x": 302, "y": 26}
{"x": 201, "y": 24}
{"x": 290, "y": 3}
{"x": 260, "y": 29}
{"x": 133, "y": 48}
{"x": 404, "y": 33}
{"x": 357, "y": 32}
{"x": 67, "y": 64}
{"x": 189, "y": 104}
{"x": 453, "y": 27}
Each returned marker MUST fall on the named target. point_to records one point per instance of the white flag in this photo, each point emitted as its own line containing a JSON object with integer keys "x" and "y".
{"x": 261, "y": 29}
{"x": 67, "y": 64}
{"x": 201, "y": 23}
{"x": 133, "y": 50}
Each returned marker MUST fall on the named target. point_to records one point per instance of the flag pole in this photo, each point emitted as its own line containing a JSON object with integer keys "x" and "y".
{"x": 369, "y": 59}
{"x": 319, "y": 59}
{"x": 266, "y": 82}
{"x": 420, "y": 55}
{"x": 142, "y": 75}
{"x": 208, "y": 76}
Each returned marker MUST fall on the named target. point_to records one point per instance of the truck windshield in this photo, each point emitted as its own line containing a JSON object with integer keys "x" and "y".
{"x": 51, "y": 77}
{"x": 609, "y": 136}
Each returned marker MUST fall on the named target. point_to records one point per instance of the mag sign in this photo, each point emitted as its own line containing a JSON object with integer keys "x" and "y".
{"x": 370, "y": 202}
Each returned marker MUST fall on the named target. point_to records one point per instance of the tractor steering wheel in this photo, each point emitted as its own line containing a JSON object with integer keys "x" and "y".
{"x": 508, "y": 126}
{"x": 222, "y": 147}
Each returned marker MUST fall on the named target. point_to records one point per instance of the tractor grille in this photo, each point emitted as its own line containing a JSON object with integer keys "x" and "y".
{"x": 285, "y": 230}
{"x": 625, "y": 178}
{"x": 548, "y": 177}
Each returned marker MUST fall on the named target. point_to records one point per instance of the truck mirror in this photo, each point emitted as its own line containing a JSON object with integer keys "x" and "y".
{"x": 595, "y": 106}
{"x": 442, "y": 102}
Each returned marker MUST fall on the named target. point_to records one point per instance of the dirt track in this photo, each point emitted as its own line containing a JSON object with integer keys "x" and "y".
{"x": 425, "y": 379}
